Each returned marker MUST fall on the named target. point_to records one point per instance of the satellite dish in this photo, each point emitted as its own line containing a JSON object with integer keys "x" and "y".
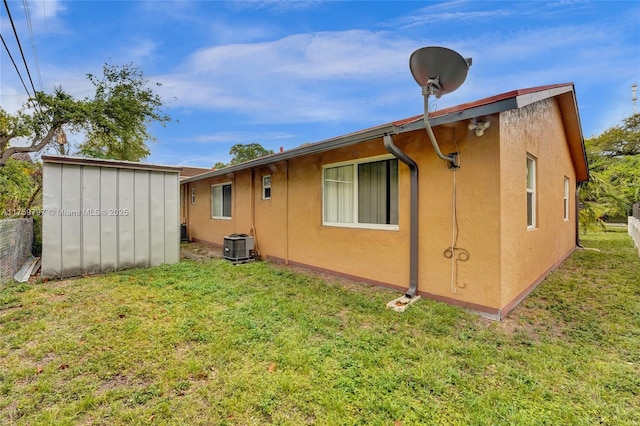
{"x": 439, "y": 69}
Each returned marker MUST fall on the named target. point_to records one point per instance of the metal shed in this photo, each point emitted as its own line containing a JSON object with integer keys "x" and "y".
{"x": 105, "y": 215}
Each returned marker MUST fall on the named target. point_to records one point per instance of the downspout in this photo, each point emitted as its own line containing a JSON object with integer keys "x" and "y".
{"x": 286, "y": 197}
{"x": 413, "y": 224}
{"x": 187, "y": 206}
{"x": 252, "y": 208}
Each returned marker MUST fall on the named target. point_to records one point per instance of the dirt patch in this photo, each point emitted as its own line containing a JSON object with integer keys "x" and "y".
{"x": 199, "y": 251}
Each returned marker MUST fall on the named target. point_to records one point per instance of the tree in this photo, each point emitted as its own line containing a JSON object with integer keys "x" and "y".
{"x": 21, "y": 182}
{"x": 614, "y": 167}
{"x": 123, "y": 108}
{"x": 114, "y": 121}
{"x": 241, "y": 153}
{"x": 620, "y": 140}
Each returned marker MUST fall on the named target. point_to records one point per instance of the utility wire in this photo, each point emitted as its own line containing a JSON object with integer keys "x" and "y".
{"x": 24, "y": 60}
{"x": 44, "y": 13}
{"x": 33, "y": 43}
{"x": 15, "y": 66}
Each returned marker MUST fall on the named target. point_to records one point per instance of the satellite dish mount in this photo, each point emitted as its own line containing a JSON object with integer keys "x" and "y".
{"x": 438, "y": 71}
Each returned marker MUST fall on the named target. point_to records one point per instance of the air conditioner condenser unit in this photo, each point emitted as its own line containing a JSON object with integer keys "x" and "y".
{"x": 238, "y": 248}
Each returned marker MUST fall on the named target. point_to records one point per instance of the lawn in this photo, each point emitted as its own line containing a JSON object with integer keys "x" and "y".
{"x": 207, "y": 342}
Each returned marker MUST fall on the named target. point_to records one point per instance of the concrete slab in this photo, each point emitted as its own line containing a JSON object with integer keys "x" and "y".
{"x": 402, "y": 303}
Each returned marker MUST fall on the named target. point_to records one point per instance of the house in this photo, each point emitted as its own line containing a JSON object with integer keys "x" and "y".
{"x": 379, "y": 206}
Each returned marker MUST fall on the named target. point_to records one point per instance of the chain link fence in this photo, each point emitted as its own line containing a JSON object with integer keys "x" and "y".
{"x": 16, "y": 239}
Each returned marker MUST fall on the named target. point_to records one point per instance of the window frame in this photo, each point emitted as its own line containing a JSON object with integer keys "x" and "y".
{"x": 222, "y": 185}
{"x": 532, "y": 191}
{"x": 566, "y": 198}
{"x": 265, "y": 187}
{"x": 355, "y": 215}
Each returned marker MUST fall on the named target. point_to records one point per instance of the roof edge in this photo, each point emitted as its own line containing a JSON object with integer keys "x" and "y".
{"x": 485, "y": 106}
{"x": 311, "y": 148}
{"x": 88, "y": 161}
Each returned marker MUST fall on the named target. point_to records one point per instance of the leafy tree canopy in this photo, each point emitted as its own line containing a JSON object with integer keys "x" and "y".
{"x": 619, "y": 140}
{"x": 115, "y": 121}
{"x": 614, "y": 167}
{"x": 20, "y": 182}
{"x": 244, "y": 152}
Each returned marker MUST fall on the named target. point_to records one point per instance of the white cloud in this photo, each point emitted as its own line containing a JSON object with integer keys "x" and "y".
{"x": 11, "y": 99}
{"x": 325, "y": 55}
{"x": 229, "y": 138}
{"x": 42, "y": 11}
{"x": 296, "y": 78}
{"x": 140, "y": 51}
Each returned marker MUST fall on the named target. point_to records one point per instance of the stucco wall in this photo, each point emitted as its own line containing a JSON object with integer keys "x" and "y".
{"x": 527, "y": 254}
{"x": 376, "y": 255}
{"x": 477, "y": 280}
{"x": 271, "y": 218}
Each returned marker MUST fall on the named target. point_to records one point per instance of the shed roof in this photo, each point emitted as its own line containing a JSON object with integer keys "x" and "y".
{"x": 86, "y": 161}
{"x": 495, "y": 104}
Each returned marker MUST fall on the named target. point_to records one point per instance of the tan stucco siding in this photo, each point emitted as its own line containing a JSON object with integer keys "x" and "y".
{"x": 376, "y": 255}
{"x": 270, "y": 217}
{"x": 527, "y": 254}
{"x": 477, "y": 280}
{"x": 202, "y": 226}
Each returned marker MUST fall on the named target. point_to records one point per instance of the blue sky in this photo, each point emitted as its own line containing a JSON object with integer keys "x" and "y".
{"x": 284, "y": 73}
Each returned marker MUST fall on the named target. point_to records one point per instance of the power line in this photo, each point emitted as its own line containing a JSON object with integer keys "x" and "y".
{"x": 44, "y": 12}
{"x": 15, "y": 66}
{"x": 24, "y": 60}
{"x": 33, "y": 43}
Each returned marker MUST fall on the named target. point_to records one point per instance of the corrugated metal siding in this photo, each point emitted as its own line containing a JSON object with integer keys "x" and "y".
{"x": 99, "y": 219}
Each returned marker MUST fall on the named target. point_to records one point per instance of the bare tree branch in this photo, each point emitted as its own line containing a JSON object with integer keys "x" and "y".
{"x": 34, "y": 147}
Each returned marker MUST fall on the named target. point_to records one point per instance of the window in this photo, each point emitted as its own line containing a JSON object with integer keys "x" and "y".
{"x": 363, "y": 194}
{"x": 531, "y": 192}
{"x": 566, "y": 198}
{"x": 266, "y": 187}
{"x": 221, "y": 201}
{"x": 193, "y": 195}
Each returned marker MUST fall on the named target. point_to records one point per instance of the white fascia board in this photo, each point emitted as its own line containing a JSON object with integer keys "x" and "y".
{"x": 529, "y": 98}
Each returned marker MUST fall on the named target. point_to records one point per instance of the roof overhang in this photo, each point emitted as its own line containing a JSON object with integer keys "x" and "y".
{"x": 564, "y": 93}
{"x": 487, "y": 106}
{"x": 312, "y": 148}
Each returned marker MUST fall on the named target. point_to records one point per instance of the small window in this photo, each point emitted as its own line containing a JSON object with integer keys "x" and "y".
{"x": 531, "y": 192}
{"x": 193, "y": 195}
{"x": 566, "y": 198}
{"x": 221, "y": 201}
{"x": 266, "y": 187}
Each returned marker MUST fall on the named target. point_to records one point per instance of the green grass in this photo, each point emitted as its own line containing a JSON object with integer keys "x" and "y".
{"x": 216, "y": 344}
